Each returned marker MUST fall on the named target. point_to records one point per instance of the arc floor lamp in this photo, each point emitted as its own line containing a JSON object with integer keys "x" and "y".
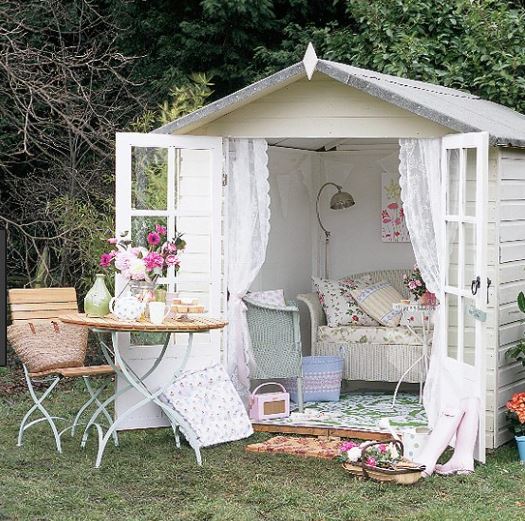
{"x": 339, "y": 201}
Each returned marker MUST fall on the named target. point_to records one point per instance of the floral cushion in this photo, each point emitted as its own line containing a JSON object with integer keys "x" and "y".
{"x": 209, "y": 403}
{"x": 339, "y": 306}
{"x": 377, "y": 300}
{"x": 368, "y": 335}
{"x": 274, "y": 297}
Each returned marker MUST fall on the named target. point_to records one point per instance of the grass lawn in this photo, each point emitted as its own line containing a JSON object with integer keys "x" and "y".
{"x": 147, "y": 478}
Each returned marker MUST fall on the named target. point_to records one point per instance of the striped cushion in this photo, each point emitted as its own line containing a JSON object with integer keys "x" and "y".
{"x": 377, "y": 300}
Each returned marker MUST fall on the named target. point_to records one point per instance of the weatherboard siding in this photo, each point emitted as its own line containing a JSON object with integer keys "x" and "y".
{"x": 510, "y": 375}
{"x": 321, "y": 107}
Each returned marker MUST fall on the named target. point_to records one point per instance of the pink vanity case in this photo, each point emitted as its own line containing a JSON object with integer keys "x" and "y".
{"x": 267, "y": 406}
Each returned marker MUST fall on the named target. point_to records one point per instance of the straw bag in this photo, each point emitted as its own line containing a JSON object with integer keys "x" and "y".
{"x": 404, "y": 472}
{"x": 46, "y": 345}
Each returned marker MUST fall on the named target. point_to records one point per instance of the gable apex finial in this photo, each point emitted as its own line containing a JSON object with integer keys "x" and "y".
{"x": 310, "y": 61}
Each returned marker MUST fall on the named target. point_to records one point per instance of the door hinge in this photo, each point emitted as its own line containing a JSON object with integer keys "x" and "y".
{"x": 224, "y": 179}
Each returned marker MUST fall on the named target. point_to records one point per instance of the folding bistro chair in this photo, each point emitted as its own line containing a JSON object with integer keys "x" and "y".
{"x": 43, "y": 306}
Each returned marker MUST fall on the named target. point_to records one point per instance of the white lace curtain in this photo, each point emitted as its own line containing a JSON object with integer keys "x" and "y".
{"x": 248, "y": 231}
{"x": 419, "y": 166}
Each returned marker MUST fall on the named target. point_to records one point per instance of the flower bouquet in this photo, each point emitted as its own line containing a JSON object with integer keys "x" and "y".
{"x": 379, "y": 461}
{"x": 144, "y": 264}
{"x": 417, "y": 287}
{"x": 516, "y": 421}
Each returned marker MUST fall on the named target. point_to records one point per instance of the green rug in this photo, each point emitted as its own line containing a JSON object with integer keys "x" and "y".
{"x": 360, "y": 411}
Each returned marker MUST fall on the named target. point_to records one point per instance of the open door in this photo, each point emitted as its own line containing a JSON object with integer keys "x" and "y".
{"x": 175, "y": 181}
{"x": 464, "y": 168}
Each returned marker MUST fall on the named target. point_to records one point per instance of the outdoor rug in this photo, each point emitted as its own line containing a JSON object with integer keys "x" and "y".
{"x": 324, "y": 447}
{"x": 359, "y": 411}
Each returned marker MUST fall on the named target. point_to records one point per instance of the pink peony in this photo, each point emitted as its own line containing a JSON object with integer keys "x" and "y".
{"x": 105, "y": 260}
{"x": 412, "y": 284}
{"x": 371, "y": 462}
{"x": 123, "y": 260}
{"x": 418, "y": 283}
{"x": 172, "y": 260}
{"x": 153, "y": 260}
{"x": 161, "y": 230}
{"x": 153, "y": 238}
{"x": 382, "y": 448}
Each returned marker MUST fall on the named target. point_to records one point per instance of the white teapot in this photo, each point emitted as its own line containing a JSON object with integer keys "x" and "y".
{"x": 127, "y": 308}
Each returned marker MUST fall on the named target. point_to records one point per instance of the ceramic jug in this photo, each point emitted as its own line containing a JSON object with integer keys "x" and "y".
{"x": 127, "y": 308}
{"x": 96, "y": 302}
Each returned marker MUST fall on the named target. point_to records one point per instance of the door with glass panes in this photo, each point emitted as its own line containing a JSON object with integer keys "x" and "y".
{"x": 464, "y": 166}
{"x": 174, "y": 181}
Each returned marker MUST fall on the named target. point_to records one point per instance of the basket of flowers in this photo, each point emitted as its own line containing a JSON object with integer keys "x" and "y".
{"x": 417, "y": 288}
{"x": 381, "y": 461}
{"x": 516, "y": 421}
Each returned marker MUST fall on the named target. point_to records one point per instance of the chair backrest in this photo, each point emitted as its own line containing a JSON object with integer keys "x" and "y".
{"x": 41, "y": 303}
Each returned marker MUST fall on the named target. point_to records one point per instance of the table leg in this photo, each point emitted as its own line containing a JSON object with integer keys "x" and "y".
{"x": 138, "y": 384}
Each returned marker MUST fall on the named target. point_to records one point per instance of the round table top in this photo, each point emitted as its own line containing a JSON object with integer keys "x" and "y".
{"x": 186, "y": 324}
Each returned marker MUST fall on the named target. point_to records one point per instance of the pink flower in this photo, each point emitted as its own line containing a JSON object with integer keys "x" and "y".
{"x": 347, "y": 445}
{"x": 123, "y": 259}
{"x": 412, "y": 284}
{"x": 172, "y": 260}
{"x": 161, "y": 230}
{"x": 419, "y": 283}
{"x": 105, "y": 259}
{"x": 382, "y": 448}
{"x": 113, "y": 240}
{"x": 153, "y": 260}
{"x": 170, "y": 247}
{"x": 153, "y": 238}
{"x": 371, "y": 462}
{"x": 393, "y": 206}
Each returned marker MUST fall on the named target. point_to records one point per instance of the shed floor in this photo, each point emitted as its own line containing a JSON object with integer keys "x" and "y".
{"x": 355, "y": 415}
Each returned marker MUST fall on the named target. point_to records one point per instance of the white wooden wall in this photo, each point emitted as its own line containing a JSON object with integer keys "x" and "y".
{"x": 321, "y": 107}
{"x": 511, "y": 272}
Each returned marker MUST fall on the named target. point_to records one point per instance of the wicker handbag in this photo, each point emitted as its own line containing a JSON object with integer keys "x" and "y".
{"x": 405, "y": 472}
{"x": 46, "y": 345}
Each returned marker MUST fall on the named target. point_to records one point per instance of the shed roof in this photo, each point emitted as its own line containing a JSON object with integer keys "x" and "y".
{"x": 454, "y": 109}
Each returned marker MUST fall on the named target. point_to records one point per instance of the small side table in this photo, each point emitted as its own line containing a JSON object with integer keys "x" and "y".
{"x": 423, "y": 333}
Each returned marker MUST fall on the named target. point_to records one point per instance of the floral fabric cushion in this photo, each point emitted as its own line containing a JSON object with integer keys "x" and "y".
{"x": 274, "y": 297}
{"x": 339, "y": 305}
{"x": 209, "y": 403}
{"x": 377, "y": 300}
{"x": 368, "y": 335}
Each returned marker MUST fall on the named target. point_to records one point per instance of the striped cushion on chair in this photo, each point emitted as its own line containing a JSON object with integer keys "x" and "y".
{"x": 377, "y": 300}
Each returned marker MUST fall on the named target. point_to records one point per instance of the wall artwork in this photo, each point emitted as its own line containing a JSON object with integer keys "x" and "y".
{"x": 393, "y": 225}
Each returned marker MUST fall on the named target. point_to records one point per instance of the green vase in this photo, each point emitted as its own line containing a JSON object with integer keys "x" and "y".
{"x": 96, "y": 302}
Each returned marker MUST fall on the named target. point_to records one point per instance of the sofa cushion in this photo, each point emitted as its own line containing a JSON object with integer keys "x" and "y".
{"x": 377, "y": 300}
{"x": 368, "y": 335}
{"x": 338, "y": 304}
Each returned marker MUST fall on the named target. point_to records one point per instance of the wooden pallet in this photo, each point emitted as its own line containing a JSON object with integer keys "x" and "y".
{"x": 173, "y": 325}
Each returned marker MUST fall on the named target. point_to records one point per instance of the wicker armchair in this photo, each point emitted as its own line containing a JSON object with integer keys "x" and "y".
{"x": 276, "y": 342}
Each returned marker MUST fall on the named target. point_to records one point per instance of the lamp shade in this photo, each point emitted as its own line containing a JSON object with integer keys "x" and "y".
{"x": 341, "y": 200}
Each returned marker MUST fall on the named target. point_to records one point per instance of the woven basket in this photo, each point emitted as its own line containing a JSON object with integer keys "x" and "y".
{"x": 404, "y": 473}
{"x": 46, "y": 345}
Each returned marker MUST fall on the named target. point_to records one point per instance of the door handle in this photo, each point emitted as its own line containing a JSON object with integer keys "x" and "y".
{"x": 489, "y": 283}
{"x": 476, "y": 284}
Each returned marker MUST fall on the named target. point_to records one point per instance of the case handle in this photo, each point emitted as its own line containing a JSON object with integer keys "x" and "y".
{"x": 264, "y": 384}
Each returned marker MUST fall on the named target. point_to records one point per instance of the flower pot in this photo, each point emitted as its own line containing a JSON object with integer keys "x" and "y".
{"x": 520, "y": 442}
{"x": 427, "y": 299}
{"x": 96, "y": 302}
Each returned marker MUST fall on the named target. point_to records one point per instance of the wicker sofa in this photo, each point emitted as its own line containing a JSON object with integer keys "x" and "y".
{"x": 378, "y": 353}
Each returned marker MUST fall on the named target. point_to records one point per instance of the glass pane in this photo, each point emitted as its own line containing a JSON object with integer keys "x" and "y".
{"x": 453, "y": 253}
{"x": 469, "y": 234}
{"x": 453, "y": 182}
{"x": 470, "y": 180}
{"x": 469, "y": 334}
{"x": 452, "y": 325}
{"x": 141, "y": 226}
{"x": 195, "y": 181}
{"x": 149, "y": 178}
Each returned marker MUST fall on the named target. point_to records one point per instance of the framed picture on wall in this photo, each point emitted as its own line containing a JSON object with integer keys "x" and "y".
{"x": 393, "y": 225}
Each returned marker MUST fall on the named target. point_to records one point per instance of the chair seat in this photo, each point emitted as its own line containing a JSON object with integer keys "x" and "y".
{"x": 74, "y": 372}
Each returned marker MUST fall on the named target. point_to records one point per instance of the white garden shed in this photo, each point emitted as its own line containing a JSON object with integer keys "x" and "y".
{"x": 326, "y": 121}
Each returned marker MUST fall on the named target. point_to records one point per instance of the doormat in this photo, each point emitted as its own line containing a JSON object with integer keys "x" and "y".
{"x": 323, "y": 447}
{"x": 359, "y": 411}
